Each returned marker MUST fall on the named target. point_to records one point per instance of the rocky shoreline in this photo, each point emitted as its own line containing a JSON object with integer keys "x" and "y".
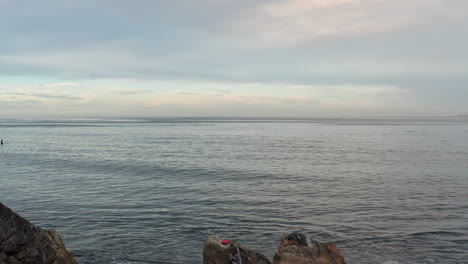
{"x": 23, "y": 242}
{"x": 294, "y": 248}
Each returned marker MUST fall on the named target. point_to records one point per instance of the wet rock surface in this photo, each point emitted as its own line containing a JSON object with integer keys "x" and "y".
{"x": 231, "y": 252}
{"x": 23, "y": 242}
{"x": 294, "y": 248}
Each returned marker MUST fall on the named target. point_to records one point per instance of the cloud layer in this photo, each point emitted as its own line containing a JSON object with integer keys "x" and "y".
{"x": 345, "y": 54}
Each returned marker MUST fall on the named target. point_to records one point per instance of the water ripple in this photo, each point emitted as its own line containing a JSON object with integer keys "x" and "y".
{"x": 151, "y": 192}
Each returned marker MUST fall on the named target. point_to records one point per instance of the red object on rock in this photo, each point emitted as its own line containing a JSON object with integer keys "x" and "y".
{"x": 225, "y": 241}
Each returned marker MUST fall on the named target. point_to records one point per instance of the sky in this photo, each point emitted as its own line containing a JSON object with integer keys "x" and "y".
{"x": 287, "y": 58}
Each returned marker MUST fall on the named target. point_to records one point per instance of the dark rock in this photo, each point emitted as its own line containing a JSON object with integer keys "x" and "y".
{"x": 214, "y": 252}
{"x": 296, "y": 248}
{"x": 24, "y": 243}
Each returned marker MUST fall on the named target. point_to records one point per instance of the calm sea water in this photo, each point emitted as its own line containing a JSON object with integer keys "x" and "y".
{"x": 152, "y": 190}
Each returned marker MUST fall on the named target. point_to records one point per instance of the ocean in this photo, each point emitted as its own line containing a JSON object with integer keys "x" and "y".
{"x": 151, "y": 190}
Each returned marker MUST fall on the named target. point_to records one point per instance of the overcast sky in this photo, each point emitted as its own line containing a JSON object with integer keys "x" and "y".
{"x": 85, "y": 58}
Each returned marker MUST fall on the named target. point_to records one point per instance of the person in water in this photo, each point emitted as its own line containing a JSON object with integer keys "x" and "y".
{"x": 1, "y": 142}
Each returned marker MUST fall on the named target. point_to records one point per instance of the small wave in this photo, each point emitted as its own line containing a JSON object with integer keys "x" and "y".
{"x": 127, "y": 262}
{"x": 437, "y": 233}
{"x": 130, "y": 261}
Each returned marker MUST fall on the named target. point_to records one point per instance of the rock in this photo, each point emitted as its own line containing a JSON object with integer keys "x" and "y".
{"x": 296, "y": 248}
{"x": 214, "y": 252}
{"x": 22, "y": 242}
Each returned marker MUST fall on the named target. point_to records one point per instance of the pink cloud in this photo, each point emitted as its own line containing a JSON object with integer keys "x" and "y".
{"x": 292, "y": 22}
